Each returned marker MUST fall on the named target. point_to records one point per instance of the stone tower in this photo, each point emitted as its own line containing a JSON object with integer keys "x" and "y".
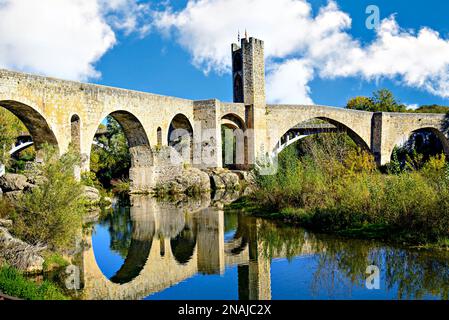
{"x": 248, "y": 74}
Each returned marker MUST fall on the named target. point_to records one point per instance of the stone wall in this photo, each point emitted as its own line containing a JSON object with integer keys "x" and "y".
{"x": 392, "y": 129}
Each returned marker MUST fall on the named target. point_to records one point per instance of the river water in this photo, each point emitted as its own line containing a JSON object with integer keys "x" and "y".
{"x": 149, "y": 249}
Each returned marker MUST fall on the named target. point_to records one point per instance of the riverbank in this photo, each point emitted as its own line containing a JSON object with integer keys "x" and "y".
{"x": 327, "y": 184}
{"x": 315, "y": 222}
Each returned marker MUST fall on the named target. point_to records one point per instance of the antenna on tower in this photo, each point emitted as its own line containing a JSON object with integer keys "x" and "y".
{"x": 238, "y": 37}
{"x": 246, "y": 35}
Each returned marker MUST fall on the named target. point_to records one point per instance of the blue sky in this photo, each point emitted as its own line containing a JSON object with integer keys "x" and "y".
{"x": 149, "y": 46}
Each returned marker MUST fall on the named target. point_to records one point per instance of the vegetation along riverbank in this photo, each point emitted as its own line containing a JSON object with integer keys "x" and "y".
{"x": 328, "y": 184}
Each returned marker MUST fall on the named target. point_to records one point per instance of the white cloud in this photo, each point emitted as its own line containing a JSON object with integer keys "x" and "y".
{"x": 128, "y": 15}
{"x": 288, "y": 82}
{"x": 419, "y": 60}
{"x": 412, "y": 106}
{"x": 63, "y": 38}
{"x": 206, "y": 28}
{"x": 294, "y": 35}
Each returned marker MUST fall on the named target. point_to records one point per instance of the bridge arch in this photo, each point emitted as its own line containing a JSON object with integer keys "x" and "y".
{"x": 282, "y": 118}
{"x": 183, "y": 245}
{"x": 138, "y": 252}
{"x": 233, "y": 121}
{"x": 34, "y": 121}
{"x": 180, "y": 136}
{"x": 337, "y": 126}
{"x": 234, "y": 141}
{"x": 142, "y": 159}
{"x": 411, "y": 136}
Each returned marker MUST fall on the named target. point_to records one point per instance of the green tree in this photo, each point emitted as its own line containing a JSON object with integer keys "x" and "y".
{"x": 382, "y": 101}
{"x": 432, "y": 109}
{"x": 395, "y": 167}
{"x": 110, "y": 157}
{"x": 52, "y": 213}
{"x": 361, "y": 103}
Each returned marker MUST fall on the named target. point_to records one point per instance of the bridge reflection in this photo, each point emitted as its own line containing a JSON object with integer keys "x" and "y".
{"x": 171, "y": 242}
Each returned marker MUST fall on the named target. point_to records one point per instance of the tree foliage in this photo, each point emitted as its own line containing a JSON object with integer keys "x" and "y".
{"x": 381, "y": 101}
{"x": 432, "y": 109}
{"x": 361, "y": 103}
{"x": 10, "y": 128}
{"x": 110, "y": 157}
{"x": 52, "y": 212}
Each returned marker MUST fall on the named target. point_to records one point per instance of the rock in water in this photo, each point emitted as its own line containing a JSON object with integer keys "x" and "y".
{"x": 187, "y": 181}
{"x": 91, "y": 194}
{"x": 223, "y": 179}
{"x": 217, "y": 182}
{"x": 231, "y": 180}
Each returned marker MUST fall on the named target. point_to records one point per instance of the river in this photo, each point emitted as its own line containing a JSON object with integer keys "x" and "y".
{"x": 148, "y": 249}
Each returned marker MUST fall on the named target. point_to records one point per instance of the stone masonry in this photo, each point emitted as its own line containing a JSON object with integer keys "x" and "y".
{"x": 61, "y": 112}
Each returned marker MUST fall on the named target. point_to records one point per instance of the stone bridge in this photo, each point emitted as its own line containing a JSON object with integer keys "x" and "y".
{"x": 63, "y": 113}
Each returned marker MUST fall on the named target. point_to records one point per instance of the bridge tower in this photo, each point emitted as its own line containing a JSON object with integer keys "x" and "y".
{"x": 248, "y": 76}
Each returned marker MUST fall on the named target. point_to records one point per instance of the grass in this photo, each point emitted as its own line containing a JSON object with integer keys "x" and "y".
{"x": 54, "y": 261}
{"x": 14, "y": 284}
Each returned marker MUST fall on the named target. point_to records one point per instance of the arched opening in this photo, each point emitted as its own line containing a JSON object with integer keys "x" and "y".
{"x": 237, "y": 62}
{"x": 136, "y": 258}
{"x": 234, "y": 142}
{"x": 317, "y": 126}
{"x": 75, "y": 132}
{"x": 321, "y": 143}
{"x": 238, "y": 89}
{"x": 23, "y": 133}
{"x": 416, "y": 148}
{"x": 121, "y": 154}
{"x": 180, "y": 137}
{"x": 159, "y": 137}
{"x": 183, "y": 245}
{"x": 162, "y": 246}
{"x": 123, "y": 242}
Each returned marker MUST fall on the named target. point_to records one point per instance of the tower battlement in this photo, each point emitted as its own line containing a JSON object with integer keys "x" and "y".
{"x": 248, "y": 71}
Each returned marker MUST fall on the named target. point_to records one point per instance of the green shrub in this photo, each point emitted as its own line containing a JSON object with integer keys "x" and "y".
{"x": 333, "y": 187}
{"x": 6, "y": 208}
{"x": 121, "y": 186}
{"x": 52, "y": 213}
{"x": 89, "y": 179}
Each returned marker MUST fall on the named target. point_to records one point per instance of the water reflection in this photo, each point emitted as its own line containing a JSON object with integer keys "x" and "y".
{"x": 193, "y": 249}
